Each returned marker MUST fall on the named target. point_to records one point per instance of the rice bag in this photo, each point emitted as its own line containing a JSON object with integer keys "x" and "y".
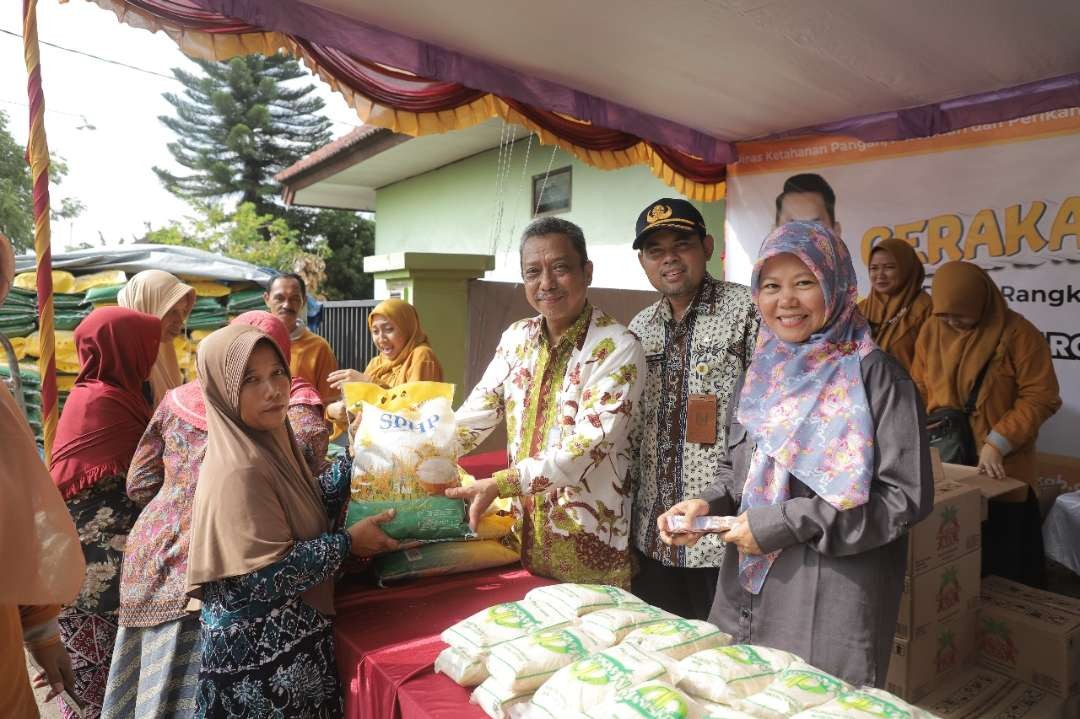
{"x": 795, "y": 689}
{"x": 720, "y": 711}
{"x": 405, "y": 457}
{"x": 465, "y": 669}
{"x": 524, "y": 664}
{"x": 727, "y": 674}
{"x": 500, "y": 623}
{"x": 677, "y": 638}
{"x": 610, "y": 626}
{"x": 496, "y": 700}
{"x": 439, "y": 558}
{"x": 650, "y": 700}
{"x": 865, "y": 703}
{"x": 588, "y": 682}
{"x": 574, "y": 600}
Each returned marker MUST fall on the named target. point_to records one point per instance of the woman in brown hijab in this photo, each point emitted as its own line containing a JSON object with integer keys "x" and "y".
{"x": 973, "y": 332}
{"x": 160, "y": 294}
{"x": 263, "y": 547}
{"x": 897, "y": 307}
{"x": 39, "y": 552}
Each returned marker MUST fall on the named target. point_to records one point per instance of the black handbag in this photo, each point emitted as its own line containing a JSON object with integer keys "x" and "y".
{"x": 950, "y": 429}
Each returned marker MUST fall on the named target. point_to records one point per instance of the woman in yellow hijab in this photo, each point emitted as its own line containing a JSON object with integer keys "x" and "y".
{"x": 160, "y": 294}
{"x": 897, "y": 307}
{"x": 404, "y": 353}
{"x": 977, "y": 353}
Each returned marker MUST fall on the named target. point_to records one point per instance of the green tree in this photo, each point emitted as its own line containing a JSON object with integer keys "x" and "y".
{"x": 17, "y": 192}
{"x": 262, "y": 240}
{"x": 238, "y": 124}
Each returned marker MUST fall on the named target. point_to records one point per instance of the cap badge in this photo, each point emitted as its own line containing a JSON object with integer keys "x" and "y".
{"x": 658, "y": 213}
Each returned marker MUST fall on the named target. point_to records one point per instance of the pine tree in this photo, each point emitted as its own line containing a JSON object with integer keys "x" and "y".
{"x": 239, "y": 124}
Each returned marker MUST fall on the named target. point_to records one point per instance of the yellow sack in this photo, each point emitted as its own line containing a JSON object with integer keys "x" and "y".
{"x": 207, "y": 288}
{"x": 65, "y": 345}
{"x": 64, "y": 382}
{"x": 18, "y": 344}
{"x": 198, "y": 336}
{"x": 106, "y": 278}
{"x": 63, "y": 282}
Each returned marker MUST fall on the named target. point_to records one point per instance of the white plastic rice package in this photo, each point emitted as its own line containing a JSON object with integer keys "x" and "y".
{"x": 865, "y": 703}
{"x": 524, "y": 664}
{"x": 465, "y": 669}
{"x": 678, "y": 638}
{"x": 611, "y": 626}
{"x": 575, "y": 600}
{"x": 650, "y": 700}
{"x": 499, "y": 623}
{"x": 588, "y": 682}
{"x": 497, "y": 700}
{"x": 721, "y": 711}
{"x": 727, "y": 674}
{"x": 795, "y": 689}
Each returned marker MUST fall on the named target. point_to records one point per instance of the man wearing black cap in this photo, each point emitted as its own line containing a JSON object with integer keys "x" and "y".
{"x": 698, "y": 339}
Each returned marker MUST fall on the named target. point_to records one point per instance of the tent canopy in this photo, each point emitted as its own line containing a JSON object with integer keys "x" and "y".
{"x": 186, "y": 261}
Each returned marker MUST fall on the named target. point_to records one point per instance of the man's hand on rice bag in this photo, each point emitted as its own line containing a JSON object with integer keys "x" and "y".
{"x": 689, "y": 509}
{"x": 741, "y": 537}
{"x": 479, "y": 495}
{"x": 340, "y": 376}
{"x": 368, "y": 539}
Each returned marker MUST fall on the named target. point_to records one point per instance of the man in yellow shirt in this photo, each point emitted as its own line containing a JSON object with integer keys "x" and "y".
{"x": 312, "y": 358}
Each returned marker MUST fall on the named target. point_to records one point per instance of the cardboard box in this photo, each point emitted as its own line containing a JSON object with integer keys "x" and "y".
{"x": 919, "y": 665}
{"x": 938, "y": 594}
{"x": 979, "y": 693}
{"x": 1030, "y": 635}
{"x": 952, "y": 530}
{"x": 987, "y": 485}
{"x": 1057, "y": 474}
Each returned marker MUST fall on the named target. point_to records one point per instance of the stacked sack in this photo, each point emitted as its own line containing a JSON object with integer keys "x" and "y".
{"x": 404, "y": 458}
{"x": 577, "y": 651}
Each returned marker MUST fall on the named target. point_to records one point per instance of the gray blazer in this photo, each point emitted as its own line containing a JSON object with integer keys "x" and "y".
{"x": 833, "y": 594}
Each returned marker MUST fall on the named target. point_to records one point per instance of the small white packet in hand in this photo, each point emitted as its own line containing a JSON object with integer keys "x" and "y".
{"x": 679, "y": 524}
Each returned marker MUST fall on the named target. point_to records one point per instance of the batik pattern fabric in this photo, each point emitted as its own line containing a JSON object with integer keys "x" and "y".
{"x": 704, "y": 353}
{"x": 567, "y": 409}
{"x": 103, "y": 516}
{"x": 163, "y": 476}
{"x": 154, "y": 671}
{"x": 265, "y": 651}
{"x": 804, "y": 403}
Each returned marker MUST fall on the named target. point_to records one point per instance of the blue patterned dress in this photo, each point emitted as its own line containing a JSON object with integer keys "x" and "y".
{"x": 266, "y": 652}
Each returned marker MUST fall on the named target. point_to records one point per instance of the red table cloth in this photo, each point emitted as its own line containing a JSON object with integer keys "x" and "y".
{"x": 484, "y": 465}
{"x": 387, "y": 641}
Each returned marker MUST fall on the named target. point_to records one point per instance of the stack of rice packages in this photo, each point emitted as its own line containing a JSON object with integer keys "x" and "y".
{"x": 405, "y": 457}
{"x": 581, "y": 651}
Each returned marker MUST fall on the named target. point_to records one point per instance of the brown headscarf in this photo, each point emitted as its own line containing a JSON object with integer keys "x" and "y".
{"x": 893, "y": 317}
{"x": 954, "y": 358}
{"x": 155, "y": 293}
{"x": 256, "y": 496}
{"x": 39, "y": 547}
{"x": 390, "y": 372}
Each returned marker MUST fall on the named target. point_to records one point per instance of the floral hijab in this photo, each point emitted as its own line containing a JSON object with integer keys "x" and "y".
{"x": 804, "y": 404}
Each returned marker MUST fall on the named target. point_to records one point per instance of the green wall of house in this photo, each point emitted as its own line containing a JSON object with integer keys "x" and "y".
{"x": 453, "y": 208}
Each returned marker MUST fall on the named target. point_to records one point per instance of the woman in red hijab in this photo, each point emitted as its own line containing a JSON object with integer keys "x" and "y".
{"x": 103, "y": 419}
{"x": 157, "y": 654}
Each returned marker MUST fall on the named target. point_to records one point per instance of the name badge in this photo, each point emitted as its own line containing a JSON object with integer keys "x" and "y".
{"x": 701, "y": 419}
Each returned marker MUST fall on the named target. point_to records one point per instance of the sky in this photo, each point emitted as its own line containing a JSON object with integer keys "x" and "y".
{"x": 102, "y": 118}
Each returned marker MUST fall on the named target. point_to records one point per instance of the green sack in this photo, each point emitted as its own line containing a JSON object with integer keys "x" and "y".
{"x": 211, "y": 304}
{"x": 97, "y": 295}
{"x": 69, "y": 320}
{"x": 428, "y": 518}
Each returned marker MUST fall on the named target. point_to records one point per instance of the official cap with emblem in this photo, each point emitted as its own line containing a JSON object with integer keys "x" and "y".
{"x": 668, "y": 213}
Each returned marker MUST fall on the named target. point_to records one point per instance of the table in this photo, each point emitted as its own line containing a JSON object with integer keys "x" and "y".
{"x": 387, "y": 641}
{"x": 484, "y": 465}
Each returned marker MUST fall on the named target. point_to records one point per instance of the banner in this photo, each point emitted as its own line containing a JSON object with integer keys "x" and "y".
{"x": 1005, "y": 196}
